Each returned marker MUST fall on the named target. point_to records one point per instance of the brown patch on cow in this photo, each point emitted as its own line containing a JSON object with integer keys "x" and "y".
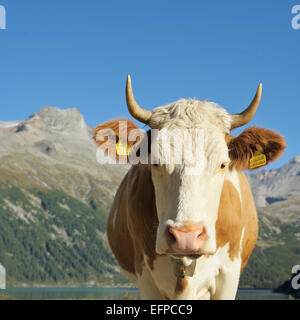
{"x": 110, "y": 132}
{"x": 114, "y": 126}
{"x": 142, "y": 220}
{"x": 136, "y": 222}
{"x": 117, "y": 229}
{"x": 251, "y": 224}
{"x": 235, "y": 215}
{"x": 230, "y": 220}
{"x": 181, "y": 285}
{"x": 243, "y": 147}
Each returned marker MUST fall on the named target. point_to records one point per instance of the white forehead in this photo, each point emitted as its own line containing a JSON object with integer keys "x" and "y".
{"x": 203, "y": 121}
{"x": 191, "y": 113}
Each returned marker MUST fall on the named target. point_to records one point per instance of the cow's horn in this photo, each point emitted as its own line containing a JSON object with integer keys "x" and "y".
{"x": 244, "y": 117}
{"x": 134, "y": 109}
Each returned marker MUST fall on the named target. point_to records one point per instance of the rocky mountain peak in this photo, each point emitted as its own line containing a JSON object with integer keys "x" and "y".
{"x": 269, "y": 186}
{"x": 58, "y": 119}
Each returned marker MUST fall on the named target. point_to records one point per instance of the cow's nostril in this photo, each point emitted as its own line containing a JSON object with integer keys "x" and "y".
{"x": 201, "y": 233}
{"x": 171, "y": 235}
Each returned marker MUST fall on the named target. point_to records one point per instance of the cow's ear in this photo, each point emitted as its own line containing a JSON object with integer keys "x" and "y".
{"x": 254, "y": 143}
{"x": 117, "y": 137}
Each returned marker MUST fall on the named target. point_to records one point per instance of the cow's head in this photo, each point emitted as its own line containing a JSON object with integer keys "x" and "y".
{"x": 187, "y": 192}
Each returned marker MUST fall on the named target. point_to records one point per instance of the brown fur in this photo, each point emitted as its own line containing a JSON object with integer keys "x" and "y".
{"x": 136, "y": 222}
{"x": 101, "y": 138}
{"x": 233, "y": 216}
{"x": 250, "y": 220}
{"x": 114, "y": 126}
{"x": 230, "y": 220}
{"x": 243, "y": 147}
{"x": 123, "y": 250}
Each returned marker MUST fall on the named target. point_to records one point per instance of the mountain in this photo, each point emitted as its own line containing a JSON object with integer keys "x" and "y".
{"x": 55, "y": 198}
{"x": 53, "y": 149}
{"x": 269, "y": 186}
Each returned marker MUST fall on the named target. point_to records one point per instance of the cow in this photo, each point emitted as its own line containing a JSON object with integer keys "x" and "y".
{"x": 179, "y": 235}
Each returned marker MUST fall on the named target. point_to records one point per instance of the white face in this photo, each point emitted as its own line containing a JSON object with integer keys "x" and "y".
{"x": 187, "y": 194}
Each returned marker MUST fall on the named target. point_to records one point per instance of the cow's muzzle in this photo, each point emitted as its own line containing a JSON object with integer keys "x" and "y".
{"x": 187, "y": 240}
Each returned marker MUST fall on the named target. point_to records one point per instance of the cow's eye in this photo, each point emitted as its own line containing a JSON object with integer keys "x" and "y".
{"x": 222, "y": 167}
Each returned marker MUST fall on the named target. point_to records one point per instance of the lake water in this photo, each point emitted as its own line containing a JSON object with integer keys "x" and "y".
{"x": 30, "y": 293}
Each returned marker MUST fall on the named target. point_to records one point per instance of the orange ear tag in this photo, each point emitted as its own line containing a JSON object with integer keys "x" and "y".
{"x": 258, "y": 160}
{"x": 122, "y": 149}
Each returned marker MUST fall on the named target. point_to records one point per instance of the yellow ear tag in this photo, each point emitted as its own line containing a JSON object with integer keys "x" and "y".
{"x": 258, "y": 160}
{"x": 122, "y": 149}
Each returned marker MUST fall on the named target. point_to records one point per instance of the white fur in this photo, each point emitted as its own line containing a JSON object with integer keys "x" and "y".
{"x": 215, "y": 277}
{"x": 191, "y": 112}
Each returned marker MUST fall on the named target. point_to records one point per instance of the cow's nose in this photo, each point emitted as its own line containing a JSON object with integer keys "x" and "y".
{"x": 186, "y": 240}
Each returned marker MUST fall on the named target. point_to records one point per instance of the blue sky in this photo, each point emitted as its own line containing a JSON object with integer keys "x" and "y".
{"x": 77, "y": 54}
